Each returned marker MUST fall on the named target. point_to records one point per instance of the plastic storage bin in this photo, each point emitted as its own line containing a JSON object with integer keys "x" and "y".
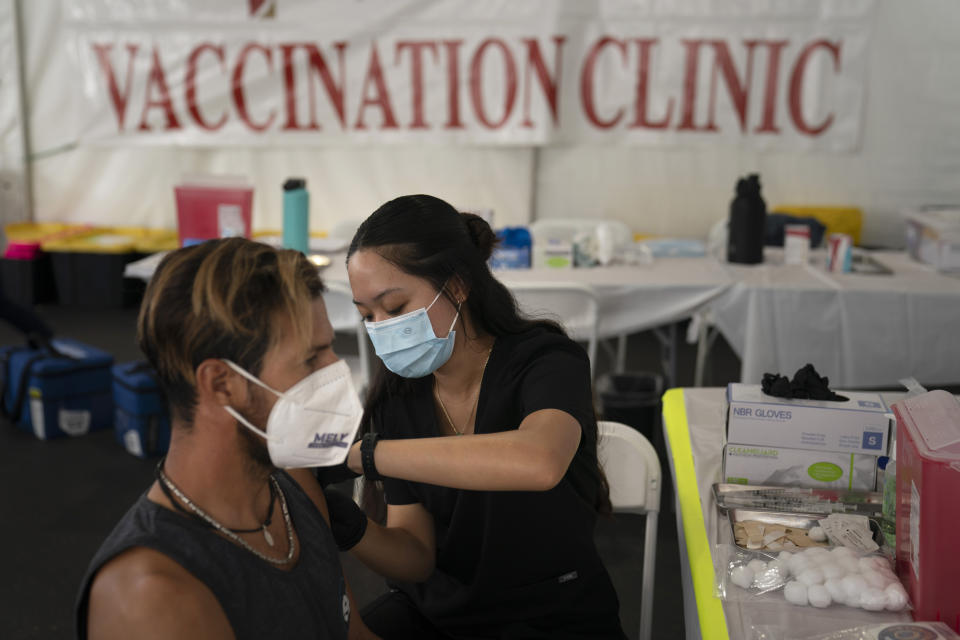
{"x": 141, "y": 421}
{"x": 933, "y": 236}
{"x": 848, "y": 220}
{"x": 88, "y": 269}
{"x": 928, "y": 483}
{"x": 65, "y": 391}
{"x": 26, "y": 272}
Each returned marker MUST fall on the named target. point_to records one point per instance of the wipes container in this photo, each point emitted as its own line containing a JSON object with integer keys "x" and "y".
{"x": 933, "y": 236}
{"x": 60, "y": 390}
{"x": 928, "y": 486}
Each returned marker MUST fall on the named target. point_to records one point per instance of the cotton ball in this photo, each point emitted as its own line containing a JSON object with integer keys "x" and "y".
{"x": 817, "y": 552}
{"x": 849, "y": 565}
{"x": 819, "y": 596}
{"x": 842, "y": 552}
{"x": 811, "y": 577}
{"x": 817, "y": 534}
{"x": 832, "y": 571}
{"x": 896, "y": 597}
{"x": 835, "y": 589}
{"x": 853, "y": 586}
{"x": 875, "y": 579}
{"x": 870, "y": 563}
{"x": 796, "y": 593}
{"x": 757, "y": 566}
{"x": 873, "y": 599}
{"x": 742, "y": 577}
{"x": 798, "y": 564}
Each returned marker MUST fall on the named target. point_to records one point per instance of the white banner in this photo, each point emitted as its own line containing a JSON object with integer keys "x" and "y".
{"x": 765, "y": 74}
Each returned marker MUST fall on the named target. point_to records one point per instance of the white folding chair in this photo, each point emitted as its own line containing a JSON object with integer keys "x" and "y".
{"x": 574, "y": 306}
{"x": 568, "y": 228}
{"x": 633, "y": 472}
{"x": 344, "y": 318}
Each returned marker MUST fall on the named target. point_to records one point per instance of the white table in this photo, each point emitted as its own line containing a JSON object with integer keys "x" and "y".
{"x": 693, "y": 422}
{"x": 630, "y": 298}
{"x": 859, "y": 330}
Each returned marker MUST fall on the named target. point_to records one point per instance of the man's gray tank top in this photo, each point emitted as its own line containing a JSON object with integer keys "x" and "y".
{"x": 259, "y": 600}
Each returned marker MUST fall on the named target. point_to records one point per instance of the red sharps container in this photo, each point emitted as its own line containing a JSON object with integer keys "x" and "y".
{"x": 928, "y": 504}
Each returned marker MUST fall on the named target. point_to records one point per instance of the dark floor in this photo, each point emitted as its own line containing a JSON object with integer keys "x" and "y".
{"x": 59, "y": 499}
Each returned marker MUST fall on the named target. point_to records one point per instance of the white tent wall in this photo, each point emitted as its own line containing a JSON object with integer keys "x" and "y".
{"x": 909, "y": 154}
{"x": 13, "y": 176}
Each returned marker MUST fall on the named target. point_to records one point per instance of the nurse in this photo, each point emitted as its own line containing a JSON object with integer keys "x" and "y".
{"x": 481, "y": 432}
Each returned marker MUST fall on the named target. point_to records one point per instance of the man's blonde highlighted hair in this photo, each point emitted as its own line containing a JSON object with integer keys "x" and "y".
{"x": 221, "y": 299}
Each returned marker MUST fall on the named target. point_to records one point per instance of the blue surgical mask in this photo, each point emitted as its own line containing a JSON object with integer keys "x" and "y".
{"x": 407, "y": 344}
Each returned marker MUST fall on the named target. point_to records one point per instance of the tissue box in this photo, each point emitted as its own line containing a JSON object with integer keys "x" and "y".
{"x": 780, "y": 466}
{"x": 857, "y": 425}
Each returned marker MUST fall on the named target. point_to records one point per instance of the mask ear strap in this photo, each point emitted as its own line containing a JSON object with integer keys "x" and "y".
{"x": 249, "y": 376}
{"x": 239, "y": 418}
{"x": 454, "y": 318}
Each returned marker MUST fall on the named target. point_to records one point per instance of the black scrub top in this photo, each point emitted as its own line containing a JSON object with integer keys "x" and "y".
{"x": 512, "y": 564}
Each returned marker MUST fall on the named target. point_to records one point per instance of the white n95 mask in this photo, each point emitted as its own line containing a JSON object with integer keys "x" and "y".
{"x": 313, "y": 423}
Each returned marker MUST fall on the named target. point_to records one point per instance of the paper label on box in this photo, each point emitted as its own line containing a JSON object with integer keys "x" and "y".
{"x": 74, "y": 422}
{"x": 230, "y": 220}
{"x": 131, "y": 441}
{"x": 915, "y": 529}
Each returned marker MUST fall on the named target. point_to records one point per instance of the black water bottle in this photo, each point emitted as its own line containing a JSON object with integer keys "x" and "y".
{"x": 748, "y": 219}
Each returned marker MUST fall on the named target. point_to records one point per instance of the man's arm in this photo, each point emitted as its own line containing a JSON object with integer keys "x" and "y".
{"x": 144, "y": 594}
{"x": 308, "y": 482}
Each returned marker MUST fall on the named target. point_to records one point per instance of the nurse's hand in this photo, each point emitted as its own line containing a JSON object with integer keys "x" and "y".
{"x": 353, "y": 459}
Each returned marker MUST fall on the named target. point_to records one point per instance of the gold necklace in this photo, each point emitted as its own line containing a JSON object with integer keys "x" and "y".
{"x": 436, "y": 394}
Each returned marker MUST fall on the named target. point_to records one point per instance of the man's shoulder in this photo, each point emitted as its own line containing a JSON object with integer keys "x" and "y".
{"x": 145, "y": 590}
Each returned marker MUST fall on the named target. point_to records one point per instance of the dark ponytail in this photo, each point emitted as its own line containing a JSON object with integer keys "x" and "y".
{"x": 426, "y": 237}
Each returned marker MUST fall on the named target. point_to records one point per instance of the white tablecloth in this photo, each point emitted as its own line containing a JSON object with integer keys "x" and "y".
{"x": 859, "y": 330}
{"x": 705, "y": 412}
{"x": 630, "y": 298}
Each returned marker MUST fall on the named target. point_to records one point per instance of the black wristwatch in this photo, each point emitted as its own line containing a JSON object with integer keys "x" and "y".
{"x": 367, "y": 445}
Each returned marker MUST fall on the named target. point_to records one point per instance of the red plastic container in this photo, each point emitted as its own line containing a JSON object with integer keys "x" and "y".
{"x": 928, "y": 497}
{"x": 213, "y": 208}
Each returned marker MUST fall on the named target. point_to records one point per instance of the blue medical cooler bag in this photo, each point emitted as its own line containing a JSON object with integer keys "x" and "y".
{"x": 141, "y": 421}
{"x": 59, "y": 389}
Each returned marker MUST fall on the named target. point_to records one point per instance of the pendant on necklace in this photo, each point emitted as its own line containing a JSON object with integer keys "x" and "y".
{"x": 267, "y": 536}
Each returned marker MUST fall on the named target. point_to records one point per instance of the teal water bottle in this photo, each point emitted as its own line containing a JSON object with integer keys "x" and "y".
{"x": 296, "y": 215}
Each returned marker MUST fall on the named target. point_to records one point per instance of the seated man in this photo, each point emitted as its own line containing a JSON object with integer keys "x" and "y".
{"x": 224, "y": 544}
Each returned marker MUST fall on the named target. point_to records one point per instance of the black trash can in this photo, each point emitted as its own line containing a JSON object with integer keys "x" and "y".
{"x": 633, "y": 398}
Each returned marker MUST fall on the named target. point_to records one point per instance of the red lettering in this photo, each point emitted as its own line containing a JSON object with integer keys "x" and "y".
{"x": 453, "y": 84}
{"x": 382, "y": 97}
{"x": 690, "y": 85}
{"x": 767, "y": 123}
{"x": 586, "y": 82}
{"x": 548, "y": 84}
{"x": 643, "y": 84}
{"x": 317, "y": 64}
{"x": 739, "y": 91}
{"x": 476, "y": 83}
{"x": 118, "y": 98}
{"x": 240, "y": 96}
{"x": 416, "y": 48}
{"x": 191, "y": 85}
{"x": 796, "y": 86}
{"x": 157, "y": 80}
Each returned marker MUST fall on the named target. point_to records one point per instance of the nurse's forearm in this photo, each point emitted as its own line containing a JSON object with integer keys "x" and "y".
{"x": 534, "y": 457}
{"x": 394, "y": 553}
